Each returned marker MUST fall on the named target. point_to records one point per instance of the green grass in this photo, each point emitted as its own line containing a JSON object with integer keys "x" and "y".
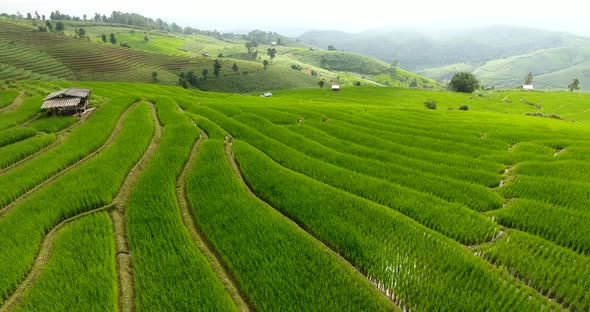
{"x": 278, "y": 266}
{"x": 156, "y": 43}
{"x": 13, "y": 153}
{"x": 92, "y": 185}
{"x": 7, "y": 97}
{"x": 558, "y": 272}
{"x": 27, "y": 110}
{"x": 354, "y": 226}
{"x": 80, "y": 274}
{"x": 396, "y": 189}
{"x": 170, "y": 273}
{"x": 52, "y": 124}
{"x": 13, "y": 135}
{"x": 79, "y": 144}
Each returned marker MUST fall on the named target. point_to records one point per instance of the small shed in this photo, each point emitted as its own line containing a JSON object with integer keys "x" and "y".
{"x": 273, "y": 44}
{"x": 71, "y": 100}
{"x": 267, "y": 94}
{"x": 335, "y": 87}
{"x": 528, "y": 88}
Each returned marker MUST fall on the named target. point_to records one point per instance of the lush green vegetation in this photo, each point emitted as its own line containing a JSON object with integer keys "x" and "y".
{"x": 80, "y": 274}
{"x": 170, "y": 273}
{"x": 13, "y": 135}
{"x": 90, "y": 186}
{"x": 17, "y": 151}
{"x": 360, "y": 199}
{"x": 80, "y": 143}
{"x": 557, "y": 272}
{"x": 7, "y": 97}
{"x": 277, "y": 264}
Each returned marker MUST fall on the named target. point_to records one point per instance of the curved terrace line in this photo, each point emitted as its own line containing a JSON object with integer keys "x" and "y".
{"x": 15, "y": 104}
{"x": 229, "y": 153}
{"x": 108, "y": 143}
{"x": 200, "y": 240}
{"x": 126, "y": 283}
{"x": 42, "y": 259}
{"x": 59, "y": 138}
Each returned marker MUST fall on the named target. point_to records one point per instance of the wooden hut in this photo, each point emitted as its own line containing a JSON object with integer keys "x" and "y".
{"x": 67, "y": 101}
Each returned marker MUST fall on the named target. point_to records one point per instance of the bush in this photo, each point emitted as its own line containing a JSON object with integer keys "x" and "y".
{"x": 430, "y": 104}
{"x": 464, "y": 107}
{"x": 296, "y": 66}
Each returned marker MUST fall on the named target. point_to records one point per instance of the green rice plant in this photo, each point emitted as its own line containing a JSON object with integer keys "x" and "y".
{"x": 346, "y": 146}
{"x": 13, "y": 135}
{"x": 80, "y": 274}
{"x": 13, "y": 153}
{"x": 80, "y": 143}
{"x": 556, "y": 272}
{"x": 569, "y": 169}
{"x": 476, "y": 197}
{"x": 453, "y": 220}
{"x": 565, "y": 227}
{"x": 212, "y": 130}
{"x": 7, "y": 97}
{"x": 421, "y": 268}
{"x": 170, "y": 273}
{"x": 92, "y": 185}
{"x": 25, "y": 111}
{"x": 569, "y": 194}
{"x": 278, "y": 266}
{"x": 53, "y": 124}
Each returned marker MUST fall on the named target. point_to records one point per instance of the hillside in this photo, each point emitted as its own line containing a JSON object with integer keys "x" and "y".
{"x": 26, "y": 53}
{"x": 166, "y": 199}
{"x": 499, "y": 56}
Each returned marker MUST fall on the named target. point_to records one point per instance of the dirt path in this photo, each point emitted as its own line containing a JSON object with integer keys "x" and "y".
{"x": 108, "y": 143}
{"x": 229, "y": 153}
{"x": 222, "y": 271}
{"x": 117, "y": 206}
{"x": 123, "y": 255}
{"x": 41, "y": 260}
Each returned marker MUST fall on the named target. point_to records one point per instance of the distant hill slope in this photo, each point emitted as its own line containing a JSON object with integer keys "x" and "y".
{"x": 497, "y": 55}
{"x": 26, "y": 53}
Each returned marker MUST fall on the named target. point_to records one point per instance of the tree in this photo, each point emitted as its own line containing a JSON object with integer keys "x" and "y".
{"x": 37, "y": 15}
{"x": 146, "y": 38}
{"x": 235, "y": 68}
{"x": 104, "y": 38}
{"x": 154, "y": 74}
{"x": 29, "y": 16}
{"x": 192, "y": 78}
{"x": 59, "y": 26}
{"x": 321, "y": 83}
{"x": 575, "y": 85}
{"x": 112, "y": 38}
{"x": 279, "y": 42}
{"x": 394, "y": 63}
{"x": 80, "y": 33}
{"x": 331, "y": 48}
{"x": 265, "y": 63}
{"x": 251, "y": 45}
{"x": 272, "y": 52}
{"x": 43, "y": 17}
{"x": 528, "y": 80}
{"x": 84, "y": 17}
{"x": 49, "y": 25}
{"x": 464, "y": 82}
{"x": 205, "y": 73}
{"x": 216, "y": 68}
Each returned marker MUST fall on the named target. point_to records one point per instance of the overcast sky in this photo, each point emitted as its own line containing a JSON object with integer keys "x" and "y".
{"x": 294, "y": 17}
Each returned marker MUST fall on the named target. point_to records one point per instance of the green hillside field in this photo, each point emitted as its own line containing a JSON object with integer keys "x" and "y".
{"x": 26, "y": 53}
{"x": 171, "y": 199}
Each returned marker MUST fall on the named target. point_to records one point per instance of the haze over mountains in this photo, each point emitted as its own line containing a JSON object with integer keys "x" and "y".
{"x": 498, "y": 55}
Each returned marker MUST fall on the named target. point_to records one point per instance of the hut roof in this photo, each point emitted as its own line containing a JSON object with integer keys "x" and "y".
{"x": 69, "y": 92}
{"x": 61, "y": 102}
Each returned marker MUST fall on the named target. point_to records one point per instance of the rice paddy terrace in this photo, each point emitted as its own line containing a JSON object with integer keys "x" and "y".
{"x": 165, "y": 199}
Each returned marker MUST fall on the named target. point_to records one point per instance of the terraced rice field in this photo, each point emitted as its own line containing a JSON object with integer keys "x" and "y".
{"x": 164, "y": 199}
{"x": 27, "y": 54}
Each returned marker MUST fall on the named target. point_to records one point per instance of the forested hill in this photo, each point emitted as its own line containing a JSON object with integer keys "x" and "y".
{"x": 419, "y": 50}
